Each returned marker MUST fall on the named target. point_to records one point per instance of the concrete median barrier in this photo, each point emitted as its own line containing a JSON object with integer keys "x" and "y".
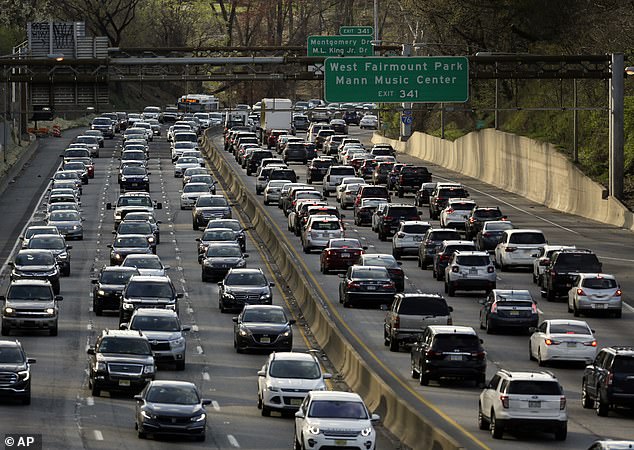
{"x": 404, "y": 421}
{"x": 532, "y": 169}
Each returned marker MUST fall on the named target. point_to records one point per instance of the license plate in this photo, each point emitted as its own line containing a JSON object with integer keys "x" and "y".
{"x": 473, "y": 271}
{"x": 134, "y": 184}
{"x": 296, "y": 401}
{"x": 371, "y": 288}
{"x": 600, "y": 305}
{"x": 571, "y": 344}
{"x": 455, "y": 357}
{"x": 534, "y": 404}
{"x": 418, "y": 238}
{"x": 345, "y": 255}
{"x": 514, "y": 313}
{"x": 124, "y": 382}
{"x": 341, "y": 442}
{"x": 265, "y": 340}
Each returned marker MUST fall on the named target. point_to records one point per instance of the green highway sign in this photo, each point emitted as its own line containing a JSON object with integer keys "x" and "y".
{"x": 431, "y": 79}
{"x": 347, "y": 30}
{"x": 340, "y": 46}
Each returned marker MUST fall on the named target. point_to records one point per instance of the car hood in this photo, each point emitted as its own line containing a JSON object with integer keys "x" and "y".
{"x": 128, "y": 250}
{"x": 150, "y": 300}
{"x": 12, "y": 367}
{"x": 111, "y": 287}
{"x": 340, "y": 424}
{"x": 256, "y": 327}
{"x": 246, "y": 290}
{"x": 175, "y": 410}
{"x": 152, "y": 272}
{"x": 134, "y": 208}
{"x": 212, "y": 208}
{"x": 161, "y": 335}
{"x": 297, "y": 383}
{"x": 227, "y": 260}
{"x": 125, "y": 358}
{"x": 29, "y": 304}
{"x": 64, "y": 223}
{"x": 35, "y": 268}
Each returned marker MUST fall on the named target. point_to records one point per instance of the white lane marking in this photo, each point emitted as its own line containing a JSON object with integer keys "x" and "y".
{"x": 195, "y": 328}
{"x": 199, "y": 349}
{"x": 628, "y": 307}
{"x": 516, "y": 207}
{"x": 90, "y": 401}
{"x": 215, "y": 405}
{"x": 206, "y": 376}
{"x": 233, "y": 441}
{"x": 615, "y": 259}
{"x": 98, "y": 435}
{"x": 190, "y": 310}
{"x": 89, "y": 326}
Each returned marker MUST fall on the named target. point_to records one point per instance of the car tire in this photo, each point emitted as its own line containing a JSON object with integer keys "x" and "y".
{"x": 53, "y": 331}
{"x": 562, "y": 432}
{"x": 201, "y": 437}
{"x": 296, "y": 444}
{"x": 618, "y": 314}
{"x": 97, "y": 309}
{"x": 540, "y": 361}
{"x": 530, "y": 352}
{"x": 550, "y": 295}
{"x": 400, "y": 193}
{"x": 26, "y": 399}
{"x": 483, "y": 423}
{"x": 413, "y": 371}
{"x": 394, "y": 345}
{"x": 266, "y": 411}
{"x": 396, "y": 253}
{"x": 266, "y": 202}
{"x": 489, "y": 327}
{"x": 66, "y": 272}
{"x": 141, "y": 434}
{"x": 451, "y": 289}
{"x": 180, "y": 365}
{"x": 570, "y": 308}
{"x": 601, "y": 406}
{"x": 423, "y": 379}
{"x": 586, "y": 401}
{"x": 94, "y": 390}
{"x": 497, "y": 430}
{"x": 575, "y": 311}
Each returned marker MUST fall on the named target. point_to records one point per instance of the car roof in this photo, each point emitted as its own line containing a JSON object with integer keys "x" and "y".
{"x": 30, "y": 282}
{"x": 524, "y": 230}
{"x": 265, "y": 307}
{"x": 151, "y": 278}
{"x": 512, "y": 293}
{"x": 471, "y": 253}
{"x": 155, "y": 312}
{"x": 458, "y": 242}
{"x": 292, "y": 356}
{"x": 450, "y": 329}
{"x": 597, "y": 275}
{"x": 566, "y": 322}
{"x": 173, "y": 383}
{"x": 529, "y": 375}
{"x": 335, "y": 395}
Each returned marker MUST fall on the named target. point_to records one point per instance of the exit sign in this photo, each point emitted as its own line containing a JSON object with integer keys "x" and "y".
{"x": 347, "y": 30}
{"x": 339, "y": 46}
{"x": 397, "y": 79}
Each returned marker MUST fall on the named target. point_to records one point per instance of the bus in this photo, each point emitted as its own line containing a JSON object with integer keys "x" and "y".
{"x": 193, "y": 103}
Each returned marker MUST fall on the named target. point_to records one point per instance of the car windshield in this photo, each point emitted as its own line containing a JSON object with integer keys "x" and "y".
{"x": 342, "y": 171}
{"x": 134, "y": 155}
{"x": 52, "y": 243}
{"x": 228, "y": 251}
{"x": 231, "y": 224}
{"x": 452, "y": 192}
{"x": 195, "y": 171}
{"x": 473, "y": 260}
{"x": 149, "y": 289}
{"x": 184, "y": 145}
{"x": 423, "y": 306}
{"x": 35, "y": 259}
{"x": 569, "y": 328}
{"x": 345, "y": 243}
{"x": 116, "y": 276}
{"x": 456, "y": 342}
{"x": 404, "y": 211}
{"x": 245, "y": 279}
{"x": 368, "y": 274}
{"x": 264, "y": 315}
{"x": 134, "y": 228}
{"x": 444, "y": 236}
{"x": 187, "y": 160}
{"x": 130, "y": 241}
{"x": 29, "y": 292}
{"x": 599, "y": 283}
{"x": 133, "y": 171}
{"x": 307, "y": 370}
{"x": 139, "y": 216}
{"x": 128, "y": 346}
{"x": 66, "y": 176}
{"x": 219, "y": 235}
{"x": 179, "y": 395}
{"x": 534, "y": 387}
{"x": 415, "y": 229}
{"x": 154, "y": 323}
{"x": 212, "y": 201}
{"x": 195, "y": 188}
{"x": 75, "y": 166}
{"x": 11, "y": 355}
{"x": 577, "y": 261}
{"x": 486, "y": 213}
{"x": 498, "y": 226}
{"x": 382, "y": 261}
{"x": 135, "y": 201}
{"x": 336, "y": 409}
{"x": 143, "y": 263}
{"x": 207, "y": 179}
{"x": 326, "y": 225}
{"x": 461, "y": 206}
{"x": 76, "y": 153}
{"x": 99, "y": 121}
{"x": 34, "y": 231}
{"x": 527, "y": 238}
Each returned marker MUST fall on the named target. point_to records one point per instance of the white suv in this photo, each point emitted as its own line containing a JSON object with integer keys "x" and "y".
{"x": 523, "y": 399}
{"x": 319, "y": 230}
{"x": 408, "y": 237}
{"x": 453, "y": 215}
{"x": 329, "y": 419}
{"x": 469, "y": 271}
{"x": 517, "y": 247}
{"x": 286, "y": 378}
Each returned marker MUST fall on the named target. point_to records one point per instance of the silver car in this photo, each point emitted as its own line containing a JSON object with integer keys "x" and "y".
{"x": 595, "y": 292}
{"x": 469, "y": 271}
{"x": 319, "y": 230}
{"x": 408, "y": 237}
{"x": 69, "y": 223}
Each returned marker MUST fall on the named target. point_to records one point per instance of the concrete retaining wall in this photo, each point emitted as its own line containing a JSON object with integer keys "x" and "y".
{"x": 397, "y": 416}
{"x": 532, "y": 169}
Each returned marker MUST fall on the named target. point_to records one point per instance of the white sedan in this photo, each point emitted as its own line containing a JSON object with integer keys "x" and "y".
{"x": 453, "y": 215}
{"x": 191, "y": 192}
{"x": 562, "y": 340}
{"x": 183, "y": 163}
{"x": 369, "y": 121}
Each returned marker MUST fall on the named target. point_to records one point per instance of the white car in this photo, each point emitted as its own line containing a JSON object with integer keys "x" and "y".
{"x": 453, "y": 216}
{"x": 344, "y": 182}
{"x": 562, "y": 340}
{"x": 369, "y": 121}
{"x": 517, "y": 247}
{"x": 191, "y": 192}
{"x": 349, "y": 194}
{"x": 595, "y": 292}
{"x": 195, "y": 154}
{"x": 149, "y": 265}
{"x": 183, "y": 163}
{"x": 408, "y": 237}
{"x": 542, "y": 259}
{"x": 273, "y": 190}
{"x": 329, "y": 419}
{"x": 285, "y": 379}
{"x": 319, "y": 230}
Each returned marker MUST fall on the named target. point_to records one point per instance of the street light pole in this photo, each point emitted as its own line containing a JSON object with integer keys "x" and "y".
{"x": 617, "y": 84}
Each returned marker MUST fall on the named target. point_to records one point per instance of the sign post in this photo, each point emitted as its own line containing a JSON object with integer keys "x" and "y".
{"x": 339, "y": 46}
{"x": 397, "y": 79}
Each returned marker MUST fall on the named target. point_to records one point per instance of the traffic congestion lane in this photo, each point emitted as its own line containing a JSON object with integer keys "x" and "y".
{"x": 499, "y": 349}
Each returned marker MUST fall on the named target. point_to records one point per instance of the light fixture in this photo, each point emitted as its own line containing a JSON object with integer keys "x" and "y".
{"x": 56, "y": 56}
{"x": 629, "y": 70}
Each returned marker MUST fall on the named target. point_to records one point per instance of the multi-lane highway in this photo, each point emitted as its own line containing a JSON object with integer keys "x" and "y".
{"x": 62, "y": 409}
{"x": 453, "y": 406}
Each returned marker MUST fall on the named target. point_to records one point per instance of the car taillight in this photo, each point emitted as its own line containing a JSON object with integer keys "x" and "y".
{"x": 534, "y": 308}
{"x": 471, "y": 220}
{"x": 494, "y": 308}
{"x": 430, "y": 354}
{"x": 553, "y": 273}
{"x": 505, "y": 401}
{"x": 444, "y": 257}
{"x": 478, "y": 355}
{"x": 352, "y": 284}
{"x": 510, "y": 249}
{"x": 450, "y": 211}
{"x": 486, "y": 235}
{"x": 455, "y": 269}
{"x": 562, "y": 403}
{"x": 592, "y": 343}
{"x": 580, "y": 292}
{"x": 401, "y": 235}
{"x": 548, "y": 341}
{"x": 388, "y": 218}
{"x": 449, "y": 321}
{"x": 609, "y": 379}
{"x": 397, "y": 322}
{"x": 490, "y": 269}
{"x": 618, "y": 293}
{"x": 388, "y": 285}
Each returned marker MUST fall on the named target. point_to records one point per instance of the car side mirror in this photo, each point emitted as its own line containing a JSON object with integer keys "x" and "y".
{"x": 234, "y": 319}
{"x": 159, "y": 205}
{"x": 399, "y": 263}
{"x": 123, "y": 326}
{"x": 261, "y": 373}
{"x": 179, "y": 295}
{"x": 186, "y": 328}
{"x": 450, "y": 308}
{"x": 69, "y": 247}
{"x": 206, "y": 402}
{"x": 11, "y": 263}
{"x": 58, "y": 298}
{"x": 482, "y": 301}
{"x": 31, "y": 360}
{"x": 532, "y": 329}
{"x": 534, "y": 255}
{"x": 481, "y": 341}
{"x": 327, "y": 376}
{"x": 341, "y": 275}
{"x": 108, "y": 205}
{"x": 299, "y": 414}
{"x": 138, "y": 398}
{"x": 293, "y": 322}
{"x": 94, "y": 281}
{"x": 271, "y": 284}
{"x": 375, "y": 418}
{"x": 109, "y": 245}
{"x": 91, "y": 351}
{"x": 113, "y": 232}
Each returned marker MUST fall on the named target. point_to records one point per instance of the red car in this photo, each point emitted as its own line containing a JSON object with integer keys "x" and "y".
{"x": 340, "y": 254}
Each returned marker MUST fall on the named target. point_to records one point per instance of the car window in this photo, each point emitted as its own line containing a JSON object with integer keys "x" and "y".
{"x": 402, "y": 211}
{"x": 317, "y": 225}
{"x": 264, "y": 315}
{"x": 149, "y": 289}
{"x": 599, "y": 283}
{"x": 534, "y": 387}
{"x": 130, "y": 241}
{"x": 527, "y": 238}
{"x": 473, "y": 260}
{"x": 444, "y": 235}
{"x": 143, "y": 263}
{"x": 574, "y": 260}
{"x": 155, "y": 323}
{"x": 569, "y": 328}
{"x": 212, "y": 201}
{"x": 415, "y": 229}
{"x": 125, "y": 346}
{"x": 26, "y": 292}
{"x": 245, "y": 279}
{"x": 369, "y": 274}
{"x": 53, "y": 243}
{"x": 623, "y": 363}
{"x": 379, "y": 261}
{"x": 35, "y": 259}
{"x": 424, "y": 306}
{"x": 116, "y": 277}
{"x": 453, "y": 342}
{"x": 11, "y": 355}
{"x": 184, "y": 395}
{"x": 337, "y": 409}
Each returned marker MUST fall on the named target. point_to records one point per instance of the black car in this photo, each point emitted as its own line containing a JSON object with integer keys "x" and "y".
{"x": 366, "y": 285}
{"x": 431, "y": 242}
{"x": 143, "y": 216}
{"x": 392, "y": 216}
{"x": 215, "y": 235}
{"x": 448, "y": 352}
{"x": 411, "y": 178}
{"x": 147, "y": 292}
{"x": 489, "y": 236}
{"x": 422, "y": 195}
{"x": 108, "y": 287}
{"x": 128, "y": 244}
{"x": 393, "y": 267}
{"x": 134, "y": 227}
{"x": 219, "y": 257}
{"x": 351, "y": 117}
{"x": 476, "y": 218}
{"x": 317, "y": 168}
{"x": 121, "y": 360}
{"x": 15, "y": 369}
{"x": 210, "y": 207}
{"x": 57, "y": 245}
{"x": 295, "y": 152}
{"x": 564, "y": 266}
{"x": 364, "y": 211}
{"x": 443, "y": 255}
{"x": 244, "y": 286}
{"x": 609, "y": 381}
{"x": 233, "y": 224}
{"x": 262, "y": 327}
{"x": 36, "y": 265}
{"x": 134, "y": 179}
{"x": 166, "y": 407}
{"x": 508, "y": 309}
{"x": 254, "y": 159}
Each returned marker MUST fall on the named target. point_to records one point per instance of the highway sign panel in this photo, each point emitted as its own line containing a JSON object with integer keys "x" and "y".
{"x": 340, "y": 46}
{"x": 348, "y": 30}
{"x": 407, "y": 120}
{"x": 397, "y": 79}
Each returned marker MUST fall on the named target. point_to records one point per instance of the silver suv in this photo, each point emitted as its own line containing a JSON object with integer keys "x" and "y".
{"x": 523, "y": 399}
{"x": 469, "y": 271}
{"x": 30, "y": 304}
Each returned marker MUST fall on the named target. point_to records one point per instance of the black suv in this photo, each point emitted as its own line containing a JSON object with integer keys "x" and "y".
{"x": 108, "y": 286}
{"x": 440, "y": 197}
{"x": 242, "y": 286}
{"x": 147, "y": 292}
{"x": 295, "y": 152}
{"x": 411, "y": 179}
{"x": 479, "y": 215}
{"x": 392, "y": 216}
{"x": 15, "y": 372}
{"x": 432, "y": 240}
{"x": 36, "y": 265}
{"x": 609, "y": 381}
{"x": 564, "y": 266}
{"x": 508, "y": 308}
{"x": 254, "y": 159}
{"x": 121, "y": 360}
{"x": 317, "y": 168}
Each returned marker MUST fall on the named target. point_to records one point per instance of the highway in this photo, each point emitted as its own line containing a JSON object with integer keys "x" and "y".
{"x": 453, "y": 406}
{"x": 62, "y": 409}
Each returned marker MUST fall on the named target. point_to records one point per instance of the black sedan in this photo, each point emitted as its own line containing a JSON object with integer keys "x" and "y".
{"x": 171, "y": 408}
{"x": 215, "y": 235}
{"x": 219, "y": 258}
{"x": 363, "y": 212}
{"x": 127, "y": 245}
{"x": 366, "y": 285}
{"x": 233, "y": 224}
{"x": 390, "y": 263}
{"x": 134, "y": 179}
{"x": 107, "y": 288}
{"x": 262, "y": 327}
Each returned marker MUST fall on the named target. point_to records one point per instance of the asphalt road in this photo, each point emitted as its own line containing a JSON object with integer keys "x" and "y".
{"x": 62, "y": 409}
{"x": 453, "y": 406}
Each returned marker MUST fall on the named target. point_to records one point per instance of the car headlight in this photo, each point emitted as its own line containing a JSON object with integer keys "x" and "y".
{"x": 124, "y": 179}
{"x": 244, "y": 332}
{"x": 171, "y": 306}
{"x": 273, "y": 389}
{"x": 287, "y": 333}
{"x": 179, "y": 342}
{"x": 229, "y": 295}
{"x": 366, "y": 431}
{"x": 265, "y": 296}
{"x": 100, "y": 366}
{"x": 199, "y": 418}
{"x": 50, "y": 311}
{"x": 101, "y": 292}
{"x": 147, "y": 415}
{"x": 76, "y": 227}
{"x": 146, "y": 179}
{"x": 117, "y": 216}
{"x": 9, "y": 311}
{"x": 62, "y": 256}
{"x": 150, "y": 239}
{"x": 148, "y": 369}
{"x": 313, "y": 429}
{"x": 117, "y": 256}
{"x": 24, "y": 375}
{"x": 128, "y": 306}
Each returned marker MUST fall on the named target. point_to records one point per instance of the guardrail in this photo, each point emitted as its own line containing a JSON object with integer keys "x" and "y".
{"x": 398, "y": 417}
